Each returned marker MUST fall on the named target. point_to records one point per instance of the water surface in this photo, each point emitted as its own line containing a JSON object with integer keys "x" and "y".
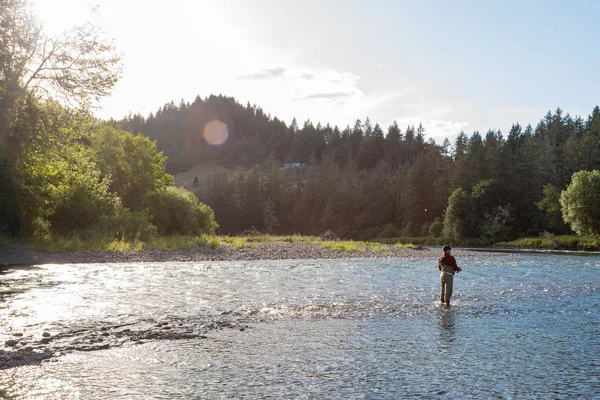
{"x": 521, "y": 326}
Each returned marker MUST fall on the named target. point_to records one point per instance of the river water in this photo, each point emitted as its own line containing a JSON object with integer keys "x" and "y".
{"x": 520, "y": 326}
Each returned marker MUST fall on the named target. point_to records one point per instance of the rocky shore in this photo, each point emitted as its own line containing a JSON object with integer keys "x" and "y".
{"x": 25, "y": 255}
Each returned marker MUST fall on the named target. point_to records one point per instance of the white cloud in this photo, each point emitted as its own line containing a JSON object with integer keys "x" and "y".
{"x": 435, "y": 129}
{"x": 321, "y": 95}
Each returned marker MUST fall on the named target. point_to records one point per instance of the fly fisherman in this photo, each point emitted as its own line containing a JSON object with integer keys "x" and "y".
{"x": 447, "y": 266}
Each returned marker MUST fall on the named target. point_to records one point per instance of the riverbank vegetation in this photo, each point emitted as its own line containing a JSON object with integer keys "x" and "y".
{"x": 103, "y": 243}
{"x": 549, "y": 241}
{"x": 70, "y": 180}
{"x": 365, "y": 182}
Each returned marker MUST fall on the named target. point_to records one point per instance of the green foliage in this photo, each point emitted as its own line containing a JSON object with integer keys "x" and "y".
{"x": 388, "y": 230}
{"x": 551, "y": 201}
{"x": 455, "y": 229}
{"x": 78, "y": 197}
{"x": 176, "y": 210}
{"x": 174, "y": 242}
{"x": 134, "y": 166}
{"x": 125, "y": 225}
{"x": 410, "y": 241}
{"x": 78, "y": 66}
{"x": 270, "y": 219}
{"x": 550, "y": 241}
{"x": 64, "y": 173}
{"x": 489, "y": 214}
{"x": 550, "y": 204}
{"x": 53, "y": 244}
{"x": 348, "y": 245}
{"x": 436, "y": 227}
{"x": 237, "y": 242}
{"x": 61, "y": 190}
{"x": 344, "y": 181}
{"x": 9, "y": 218}
{"x": 580, "y": 203}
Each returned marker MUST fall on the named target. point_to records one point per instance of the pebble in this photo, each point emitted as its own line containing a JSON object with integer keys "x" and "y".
{"x": 25, "y": 255}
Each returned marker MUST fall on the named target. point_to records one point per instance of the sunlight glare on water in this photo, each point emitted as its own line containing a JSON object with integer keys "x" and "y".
{"x": 521, "y": 326}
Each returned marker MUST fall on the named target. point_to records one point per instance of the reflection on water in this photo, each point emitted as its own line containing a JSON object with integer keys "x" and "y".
{"x": 520, "y": 327}
{"x": 447, "y": 320}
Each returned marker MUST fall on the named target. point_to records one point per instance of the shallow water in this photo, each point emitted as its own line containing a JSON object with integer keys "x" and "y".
{"x": 521, "y": 326}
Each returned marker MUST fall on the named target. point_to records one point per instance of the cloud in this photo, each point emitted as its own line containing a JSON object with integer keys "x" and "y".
{"x": 435, "y": 129}
{"x": 330, "y": 96}
{"x": 265, "y": 74}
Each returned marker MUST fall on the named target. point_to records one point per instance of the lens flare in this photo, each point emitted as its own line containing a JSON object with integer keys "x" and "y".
{"x": 216, "y": 132}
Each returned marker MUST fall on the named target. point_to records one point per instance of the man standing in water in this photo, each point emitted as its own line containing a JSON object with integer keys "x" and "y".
{"x": 447, "y": 266}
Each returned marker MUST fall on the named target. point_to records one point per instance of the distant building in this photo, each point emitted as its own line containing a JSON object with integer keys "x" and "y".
{"x": 294, "y": 165}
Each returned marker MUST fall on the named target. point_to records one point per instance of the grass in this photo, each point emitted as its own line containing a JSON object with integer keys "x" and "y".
{"x": 351, "y": 245}
{"x": 76, "y": 243}
{"x": 344, "y": 245}
{"x": 549, "y": 241}
{"x": 409, "y": 241}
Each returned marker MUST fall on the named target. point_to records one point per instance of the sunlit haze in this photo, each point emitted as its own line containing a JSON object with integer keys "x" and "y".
{"x": 460, "y": 65}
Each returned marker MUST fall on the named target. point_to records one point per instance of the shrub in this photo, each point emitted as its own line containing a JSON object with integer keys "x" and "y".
{"x": 176, "y": 210}
{"x": 580, "y": 203}
{"x": 126, "y": 225}
{"x": 456, "y": 216}
{"x": 436, "y": 227}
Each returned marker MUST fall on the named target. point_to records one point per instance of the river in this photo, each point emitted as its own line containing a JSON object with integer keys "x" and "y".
{"x": 520, "y": 326}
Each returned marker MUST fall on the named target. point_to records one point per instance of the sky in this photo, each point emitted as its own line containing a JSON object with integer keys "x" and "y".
{"x": 451, "y": 65}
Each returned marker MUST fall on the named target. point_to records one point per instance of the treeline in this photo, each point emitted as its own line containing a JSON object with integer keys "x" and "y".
{"x": 365, "y": 181}
{"x": 63, "y": 172}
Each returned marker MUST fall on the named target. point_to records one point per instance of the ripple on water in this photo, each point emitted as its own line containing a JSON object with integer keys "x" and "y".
{"x": 519, "y": 327}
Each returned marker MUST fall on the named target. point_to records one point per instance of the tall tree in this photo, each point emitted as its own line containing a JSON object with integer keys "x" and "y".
{"x": 77, "y": 66}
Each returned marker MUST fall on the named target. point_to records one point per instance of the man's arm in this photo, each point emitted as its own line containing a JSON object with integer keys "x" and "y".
{"x": 455, "y": 266}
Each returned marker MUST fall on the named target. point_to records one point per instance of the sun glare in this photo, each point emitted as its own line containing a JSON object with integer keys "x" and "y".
{"x": 61, "y": 15}
{"x": 216, "y": 132}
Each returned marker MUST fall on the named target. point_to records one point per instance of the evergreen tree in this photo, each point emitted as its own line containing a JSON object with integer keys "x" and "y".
{"x": 271, "y": 222}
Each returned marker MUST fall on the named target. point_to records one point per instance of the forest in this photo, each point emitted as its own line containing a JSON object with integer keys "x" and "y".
{"x": 64, "y": 172}
{"x": 366, "y": 181}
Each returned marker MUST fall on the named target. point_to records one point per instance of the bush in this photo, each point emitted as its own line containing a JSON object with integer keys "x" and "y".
{"x": 176, "y": 210}
{"x": 387, "y": 231}
{"x": 127, "y": 225}
{"x": 436, "y": 227}
{"x": 580, "y": 203}
{"x": 135, "y": 166}
{"x": 80, "y": 201}
{"x": 456, "y": 216}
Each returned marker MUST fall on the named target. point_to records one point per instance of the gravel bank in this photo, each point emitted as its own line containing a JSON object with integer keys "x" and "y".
{"x": 25, "y": 255}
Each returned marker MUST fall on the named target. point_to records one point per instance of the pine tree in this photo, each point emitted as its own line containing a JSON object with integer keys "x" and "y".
{"x": 271, "y": 222}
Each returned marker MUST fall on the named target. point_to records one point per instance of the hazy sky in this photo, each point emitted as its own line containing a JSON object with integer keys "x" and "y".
{"x": 452, "y": 65}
